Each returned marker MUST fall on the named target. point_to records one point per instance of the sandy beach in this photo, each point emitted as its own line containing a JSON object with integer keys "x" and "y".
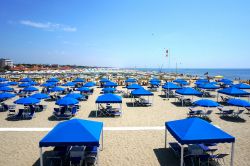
{"x": 120, "y": 147}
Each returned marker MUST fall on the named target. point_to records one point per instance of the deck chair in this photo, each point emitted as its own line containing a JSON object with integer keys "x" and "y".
{"x": 176, "y": 148}
{"x": 31, "y": 114}
{"x": 224, "y": 99}
{"x": 207, "y": 113}
{"x": 248, "y": 109}
{"x": 91, "y": 154}
{"x": 237, "y": 113}
{"x": 219, "y": 158}
{"x": 227, "y": 112}
{"x": 19, "y": 115}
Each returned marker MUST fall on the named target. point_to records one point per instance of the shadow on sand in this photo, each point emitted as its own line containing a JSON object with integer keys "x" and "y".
{"x": 233, "y": 119}
{"x": 166, "y": 157}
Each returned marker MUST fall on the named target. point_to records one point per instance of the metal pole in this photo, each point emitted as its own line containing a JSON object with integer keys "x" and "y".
{"x": 182, "y": 151}
{"x": 102, "y": 140}
{"x": 41, "y": 156}
{"x": 232, "y": 155}
{"x": 165, "y": 138}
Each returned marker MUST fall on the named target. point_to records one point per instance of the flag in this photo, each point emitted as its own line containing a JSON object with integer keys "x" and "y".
{"x": 166, "y": 52}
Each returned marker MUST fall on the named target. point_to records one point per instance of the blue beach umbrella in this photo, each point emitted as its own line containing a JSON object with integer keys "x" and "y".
{"x": 232, "y": 91}
{"x": 104, "y": 80}
{"x": 6, "y": 89}
{"x": 48, "y": 85}
{"x": 109, "y": 98}
{"x": 130, "y": 80}
{"x": 3, "y": 79}
{"x": 83, "y": 89}
{"x": 4, "y": 84}
{"x": 6, "y": 95}
{"x": 108, "y": 90}
{"x": 238, "y": 102}
{"x": 171, "y": 86}
{"x": 52, "y": 80}
{"x": 74, "y": 95}
{"x": 30, "y": 89}
{"x": 188, "y": 91}
{"x": 141, "y": 92}
{"x": 89, "y": 84}
{"x": 26, "y": 80}
{"x": 208, "y": 86}
{"x": 206, "y": 103}
{"x": 181, "y": 81}
{"x": 27, "y": 101}
{"x": 40, "y": 96}
{"x": 154, "y": 80}
{"x": 22, "y": 85}
{"x": 66, "y": 101}
{"x": 79, "y": 80}
{"x": 241, "y": 86}
{"x": 13, "y": 83}
{"x": 134, "y": 86}
{"x": 57, "y": 89}
{"x": 110, "y": 84}
{"x": 33, "y": 83}
{"x": 155, "y": 83}
{"x": 69, "y": 84}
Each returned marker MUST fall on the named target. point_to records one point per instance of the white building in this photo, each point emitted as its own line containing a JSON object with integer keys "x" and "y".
{"x": 5, "y": 62}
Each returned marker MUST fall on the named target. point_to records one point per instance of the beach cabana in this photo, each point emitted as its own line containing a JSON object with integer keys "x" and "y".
{"x": 197, "y": 131}
{"x": 130, "y": 81}
{"x": 168, "y": 86}
{"x": 109, "y": 98}
{"x": 206, "y": 103}
{"x": 103, "y": 81}
{"x": 187, "y": 91}
{"x": 67, "y": 101}
{"x": 6, "y": 89}
{"x": 142, "y": 92}
{"x": 238, "y": 102}
{"x": 75, "y": 132}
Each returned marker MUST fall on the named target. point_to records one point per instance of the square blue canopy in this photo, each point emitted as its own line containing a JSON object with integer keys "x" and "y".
{"x": 75, "y": 132}
{"x": 109, "y": 98}
{"x": 197, "y": 131}
{"x": 232, "y": 91}
{"x": 141, "y": 92}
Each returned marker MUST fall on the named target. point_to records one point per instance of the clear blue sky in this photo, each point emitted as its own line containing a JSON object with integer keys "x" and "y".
{"x": 127, "y": 33}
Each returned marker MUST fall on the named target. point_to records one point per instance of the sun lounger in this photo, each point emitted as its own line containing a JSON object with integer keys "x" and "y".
{"x": 248, "y": 109}
{"x": 91, "y": 154}
{"x": 224, "y": 99}
{"x": 176, "y": 148}
{"x": 207, "y": 113}
{"x": 237, "y": 113}
{"x": 19, "y": 115}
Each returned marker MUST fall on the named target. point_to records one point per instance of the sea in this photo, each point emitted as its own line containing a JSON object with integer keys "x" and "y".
{"x": 233, "y": 74}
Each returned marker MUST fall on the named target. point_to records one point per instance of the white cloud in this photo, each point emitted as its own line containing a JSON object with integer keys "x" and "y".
{"x": 48, "y": 26}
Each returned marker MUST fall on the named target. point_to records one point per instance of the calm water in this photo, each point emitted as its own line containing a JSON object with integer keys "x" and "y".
{"x": 243, "y": 74}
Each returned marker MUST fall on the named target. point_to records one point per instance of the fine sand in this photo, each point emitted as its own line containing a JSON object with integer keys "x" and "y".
{"x": 121, "y": 147}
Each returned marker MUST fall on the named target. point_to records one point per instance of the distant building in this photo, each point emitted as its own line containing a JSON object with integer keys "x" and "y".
{"x": 5, "y": 62}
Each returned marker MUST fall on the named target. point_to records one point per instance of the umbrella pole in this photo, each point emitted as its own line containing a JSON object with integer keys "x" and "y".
{"x": 232, "y": 155}
{"x": 165, "y": 138}
{"x": 182, "y": 151}
{"x": 41, "y": 156}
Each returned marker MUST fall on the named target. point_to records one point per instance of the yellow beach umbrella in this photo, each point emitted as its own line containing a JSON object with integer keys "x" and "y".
{"x": 218, "y": 76}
